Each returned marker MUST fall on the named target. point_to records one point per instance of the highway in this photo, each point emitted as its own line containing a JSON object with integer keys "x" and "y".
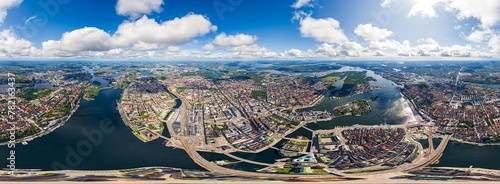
{"x": 198, "y": 159}
{"x": 248, "y": 161}
{"x": 433, "y": 157}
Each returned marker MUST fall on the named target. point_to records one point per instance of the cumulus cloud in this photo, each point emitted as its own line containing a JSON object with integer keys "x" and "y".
{"x": 349, "y": 49}
{"x": 145, "y": 46}
{"x": 293, "y": 53}
{"x": 136, "y": 8}
{"x": 425, "y": 8}
{"x": 5, "y": 5}
{"x": 146, "y": 31}
{"x": 240, "y": 43}
{"x": 173, "y": 49}
{"x": 223, "y": 40}
{"x": 372, "y": 33}
{"x": 301, "y": 3}
{"x": 494, "y": 44}
{"x": 208, "y": 47}
{"x": 71, "y": 43}
{"x": 487, "y": 11}
{"x": 479, "y": 35}
{"x": 386, "y": 3}
{"x": 11, "y": 45}
{"x": 324, "y": 30}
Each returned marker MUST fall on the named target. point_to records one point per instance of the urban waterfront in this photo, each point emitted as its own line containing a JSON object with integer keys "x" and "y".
{"x": 120, "y": 149}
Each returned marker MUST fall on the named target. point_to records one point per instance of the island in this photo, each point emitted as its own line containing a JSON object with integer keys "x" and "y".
{"x": 355, "y": 108}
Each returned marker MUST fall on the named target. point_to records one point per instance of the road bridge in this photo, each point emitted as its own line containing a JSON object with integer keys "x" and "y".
{"x": 248, "y": 161}
{"x": 198, "y": 159}
{"x": 433, "y": 157}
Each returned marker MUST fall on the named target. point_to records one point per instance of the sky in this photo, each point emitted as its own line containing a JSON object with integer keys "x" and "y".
{"x": 250, "y": 29}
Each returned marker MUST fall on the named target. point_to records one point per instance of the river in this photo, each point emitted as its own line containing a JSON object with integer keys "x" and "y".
{"x": 119, "y": 148}
{"x": 70, "y": 147}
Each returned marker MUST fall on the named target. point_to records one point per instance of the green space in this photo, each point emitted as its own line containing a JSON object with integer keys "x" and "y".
{"x": 369, "y": 170}
{"x": 202, "y": 73}
{"x": 75, "y": 76}
{"x": 33, "y": 94}
{"x": 466, "y": 124}
{"x": 92, "y": 91}
{"x": 354, "y": 81}
{"x": 298, "y": 143}
{"x": 198, "y": 105}
{"x": 182, "y": 89}
{"x": 19, "y": 134}
{"x": 305, "y": 171}
{"x": 329, "y": 79}
{"x": 356, "y": 108}
{"x": 283, "y": 121}
{"x": 490, "y": 122}
{"x": 305, "y": 68}
{"x": 144, "y": 114}
{"x": 493, "y": 139}
{"x": 219, "y": 128}
{"x": 243, "y": 75}
{"x": 258, "y": 94}
{"x": 284, "y": 170}
{"x": 59, "y": 111}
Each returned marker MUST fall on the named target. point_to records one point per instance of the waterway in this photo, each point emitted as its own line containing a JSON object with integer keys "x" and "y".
{"x": 389, "y": 109}
{"x": 101, "y": 80}
{"x": 459, "y": 154}
{"x": 70, "y": 147}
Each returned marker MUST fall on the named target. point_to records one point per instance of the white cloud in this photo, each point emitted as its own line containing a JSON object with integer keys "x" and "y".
{"x": 379, "y": 53}
{"x": 223, "y": 40}
{"x": 71, "y": 43}
{"x": 494, "y": 44}
{"x": 371, "y": 33}
{"x": 141, "y": 35}
{"x": 136, "y": 8}
{"x": 240, "y": 43}
{"x": 424, "y": 8}
{"x": 479, "y": 36}
{"x": 349, "y": 49}
{"x": 324, "y": 30}
{"x": 208, "y": 47}
{"x": 145, "y": 46}
{"x": 386, "y": 3}
{"x": 5, "y": 5}
{"x": 487, "y": 11}
{"x": 293, "y": 53}
{"x": 11, "y": 45}
{"x": 174, "y": 49}
{"x": 301, "y": 3}
{"x": 148, "y": 31}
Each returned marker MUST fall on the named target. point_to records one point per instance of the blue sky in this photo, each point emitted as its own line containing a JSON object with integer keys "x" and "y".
{"x": 249, "y": 29}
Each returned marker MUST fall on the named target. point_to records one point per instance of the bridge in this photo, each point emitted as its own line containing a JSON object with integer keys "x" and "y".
{"x": 297, "y": 140}
{"x": 198, "y": 159}
{"x": 433, "y": 157}
{"x": 248, "y": 161}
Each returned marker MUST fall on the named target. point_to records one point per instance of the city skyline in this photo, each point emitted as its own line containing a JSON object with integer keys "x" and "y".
{"x": 249, "y": 30}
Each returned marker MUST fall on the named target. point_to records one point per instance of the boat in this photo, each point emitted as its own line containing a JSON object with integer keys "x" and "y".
{"x": 25, "y": 143}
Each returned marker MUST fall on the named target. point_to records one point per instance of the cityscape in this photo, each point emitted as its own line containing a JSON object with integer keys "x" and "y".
{"x": 161, "y": 91}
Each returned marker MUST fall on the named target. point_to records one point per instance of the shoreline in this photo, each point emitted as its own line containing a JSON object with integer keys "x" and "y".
{"x": 48, "y": 131}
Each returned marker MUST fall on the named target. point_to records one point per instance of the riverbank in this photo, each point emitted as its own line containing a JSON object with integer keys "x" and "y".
{"x": 42, "y": 133}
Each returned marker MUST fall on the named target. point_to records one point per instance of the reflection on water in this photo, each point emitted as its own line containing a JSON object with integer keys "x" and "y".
{"x": 391, "y": 108}
{"x": 118, "y": 149}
